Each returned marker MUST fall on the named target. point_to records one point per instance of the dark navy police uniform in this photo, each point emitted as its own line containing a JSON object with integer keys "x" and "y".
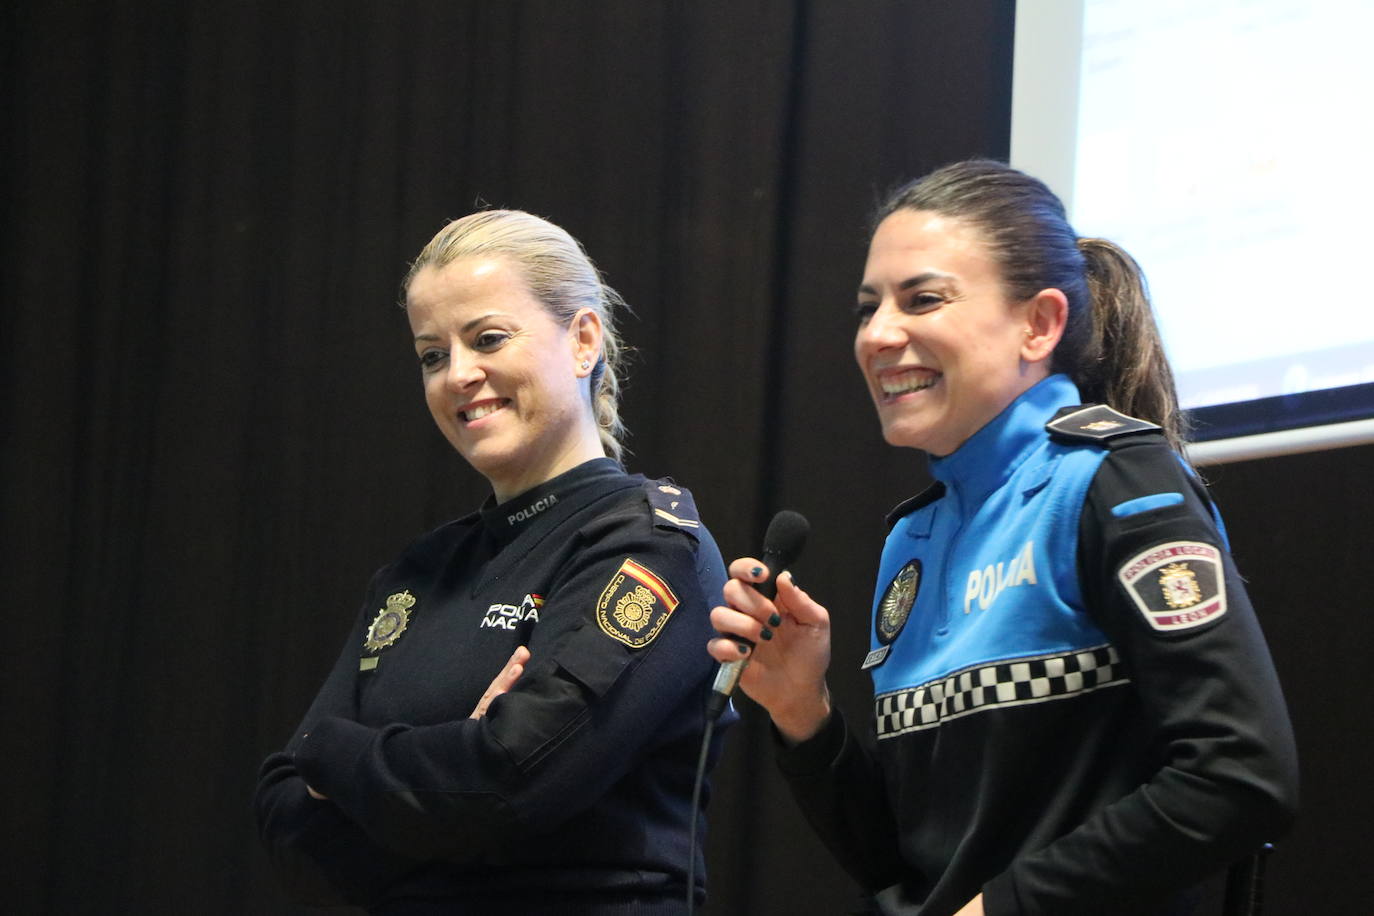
{"x": 572, "y": 795}
{"x": 1076, "y": 711}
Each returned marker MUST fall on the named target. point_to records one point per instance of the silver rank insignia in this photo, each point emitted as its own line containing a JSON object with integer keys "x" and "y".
{"x": 390, "y": 623}
{"x": 634, "y": 605}
{"x": 1176, "y": 586}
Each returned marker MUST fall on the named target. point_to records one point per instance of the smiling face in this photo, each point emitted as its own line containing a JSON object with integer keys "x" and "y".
{"x": 503, "y": 380}
{"x": 942, "y": 349}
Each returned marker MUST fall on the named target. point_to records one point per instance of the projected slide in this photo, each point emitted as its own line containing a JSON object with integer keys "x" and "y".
{"x": 1227, "y": 146}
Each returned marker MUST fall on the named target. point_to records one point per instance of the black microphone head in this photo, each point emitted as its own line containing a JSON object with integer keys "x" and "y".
{"x": 785, "y": 538}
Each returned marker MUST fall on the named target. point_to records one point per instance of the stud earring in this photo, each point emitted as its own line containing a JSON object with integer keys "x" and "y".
{"x": 586, "y": 365}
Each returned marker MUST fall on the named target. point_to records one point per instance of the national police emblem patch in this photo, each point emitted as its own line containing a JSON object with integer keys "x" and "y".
{"x": 634, "y": 605}
{"x": 1176, "y": 586}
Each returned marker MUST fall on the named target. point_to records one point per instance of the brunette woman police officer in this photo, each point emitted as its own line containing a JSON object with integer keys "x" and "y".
{"x": 1075, "y": 711}
{"x": 514, "y": 722}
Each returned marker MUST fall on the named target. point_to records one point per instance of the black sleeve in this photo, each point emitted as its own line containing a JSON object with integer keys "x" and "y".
{"x": 1159, "y": 580}
{"x": 587, "y": 710}
{"x": 836, "y": 781}
{"x": 317, "y": 852}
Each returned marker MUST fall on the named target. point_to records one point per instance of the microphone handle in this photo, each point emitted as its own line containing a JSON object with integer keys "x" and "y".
{"x": 727, "y": 677}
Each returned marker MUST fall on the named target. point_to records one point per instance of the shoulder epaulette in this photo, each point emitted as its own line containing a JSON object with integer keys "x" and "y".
{"x": 924, "y": 498}
{"x": 673, "y": 505}
{"x": 1095, "y": 423}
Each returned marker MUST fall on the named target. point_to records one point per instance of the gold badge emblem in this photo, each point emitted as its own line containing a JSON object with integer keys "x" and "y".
{"x": 1101, "y": 426}
{"x": 634, "y": 605}
{"x": 632, "y": 610}
{"x": 1179, "y": 585}
{"x": 897, "y": 601}
{"x": 390, "y": 623}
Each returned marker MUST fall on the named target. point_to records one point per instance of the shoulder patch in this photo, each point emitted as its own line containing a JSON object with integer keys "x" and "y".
{"x": 1176, "y": 586}
{"x": 634, "y": 605}
{"x": 673, "y": 506}
{"x": 924, "y": 498}
{"x": 1095, "y": 423}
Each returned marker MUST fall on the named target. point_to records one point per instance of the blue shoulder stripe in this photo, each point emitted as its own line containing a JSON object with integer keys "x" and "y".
{"x": 1146, "y": 503}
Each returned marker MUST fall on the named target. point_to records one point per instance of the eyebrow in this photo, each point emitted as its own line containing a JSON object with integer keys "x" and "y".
{"x": 910, "y": 282}
{"x": 463, "y": 330}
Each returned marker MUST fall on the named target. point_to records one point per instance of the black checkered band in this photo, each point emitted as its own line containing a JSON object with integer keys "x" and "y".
{"x": 997, "y": 686}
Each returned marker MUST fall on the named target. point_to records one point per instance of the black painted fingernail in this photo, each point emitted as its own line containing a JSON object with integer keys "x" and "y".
{"x": 756, "y": 571}
{"x": 765, "y": 633}
{"x": 743, "y": 648}
{"x": 774, "y": 619}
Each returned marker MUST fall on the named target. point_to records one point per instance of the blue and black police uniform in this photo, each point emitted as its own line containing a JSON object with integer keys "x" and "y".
{"x": 1076, "y": 711}
{"x": 573, "y": 794}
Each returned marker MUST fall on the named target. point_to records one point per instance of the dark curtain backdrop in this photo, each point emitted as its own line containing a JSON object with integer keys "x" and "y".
{"x": 214, "y": 431}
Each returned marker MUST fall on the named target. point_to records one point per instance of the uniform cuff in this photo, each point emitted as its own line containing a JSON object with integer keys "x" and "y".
{"x": 816, "y": 754}
{"x": 326, "y": 755}
{"x": 999, "y": 897}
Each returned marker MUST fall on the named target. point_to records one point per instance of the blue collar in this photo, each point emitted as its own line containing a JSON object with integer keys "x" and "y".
{"x": 989, "y": 456}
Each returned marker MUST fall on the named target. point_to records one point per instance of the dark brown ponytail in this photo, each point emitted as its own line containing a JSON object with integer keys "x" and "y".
{"x": 1125, "y": 365}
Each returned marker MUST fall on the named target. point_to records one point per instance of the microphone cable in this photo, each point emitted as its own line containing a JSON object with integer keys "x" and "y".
{"x": 782, "y": 543}
{"x": 696, "y": 815}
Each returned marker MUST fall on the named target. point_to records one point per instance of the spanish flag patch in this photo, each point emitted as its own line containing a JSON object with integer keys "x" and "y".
{"x": 634, "y": 605}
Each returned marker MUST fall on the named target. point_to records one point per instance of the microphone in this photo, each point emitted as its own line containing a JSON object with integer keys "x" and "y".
{"x": 782, "y": 544}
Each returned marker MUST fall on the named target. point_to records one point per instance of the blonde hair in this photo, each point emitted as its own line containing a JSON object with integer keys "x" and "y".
{"x": 561, "y": 275}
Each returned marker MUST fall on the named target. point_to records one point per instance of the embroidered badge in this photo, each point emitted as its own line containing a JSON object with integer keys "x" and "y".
{"x": 1179, "y": 585}
{"x": 390, "y": 623}
{"x": 634, "y": 605}
{"x": 895, "y": 606}
{"x": 1176, "y": 586}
